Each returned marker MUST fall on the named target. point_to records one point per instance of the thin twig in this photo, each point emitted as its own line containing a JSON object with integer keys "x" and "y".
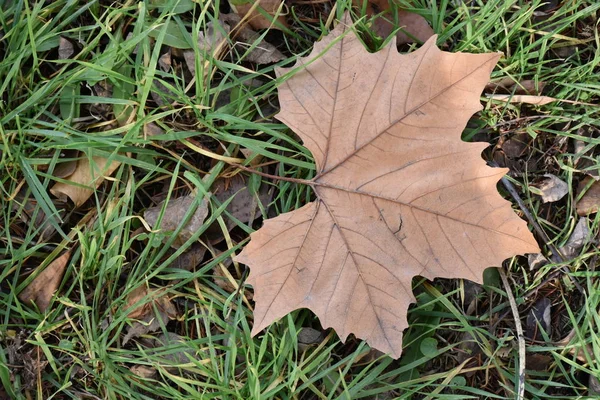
{"x": 520, "y": 337}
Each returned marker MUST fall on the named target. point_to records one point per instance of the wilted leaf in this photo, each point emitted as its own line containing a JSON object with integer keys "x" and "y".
{"x": 411, "y": 24}
{"x": 65, "y": 49}
{"x": 398, "y": 194}
{"x": 43, "y": 286}
{"x": 144, "y": 314}
{"x": 590, "y": 202}
{"x": 528, "y": 99}
{"x": 536, "y": 261}
{"x": 88, "y": 175}
{"x": 263, "y": 53}
{"x": 208, "y": 41}
{"x": 174, "y": 215}
{"x": 577, "y": 240}
{"x": 245, "y": 205}
{"x": 68, "y": 164}
{"x": 508, "y": 84}
{"x": 539, "y": 317}
{"x": 552, "y": 189}
{"x": 144, "y": 371}
{"x": 256, "y": 19}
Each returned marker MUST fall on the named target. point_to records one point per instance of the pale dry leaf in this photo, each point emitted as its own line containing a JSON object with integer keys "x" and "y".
{"x": 66, "y": 168}
{"x": 88, "y": 173}
{"x": 245, "y": 205}
{"x": 209, "y": 40}
{"x": 398, "y": 194}
{"x": 508, "y": 84}
{"x": 523, "y": 98}
{"x": 43, "y": 286}
{"x": 411, "y": 24}
{"x": 256, "y": 19}
{"x": 579, "y": 237}
{"x": 553, "y": 188}
{"x": 590, "y": 201}
{"x": 263, "y": 53}
{"x": 65, "y": 49}
{"x": 144, "y": 315}
{"x": 144, "y": 371}
{"x": 174, "y": 215}
{"x": 536, "y": 260}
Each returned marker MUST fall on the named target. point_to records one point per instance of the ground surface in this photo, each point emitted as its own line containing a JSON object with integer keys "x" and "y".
{"x": 90, "y": 81}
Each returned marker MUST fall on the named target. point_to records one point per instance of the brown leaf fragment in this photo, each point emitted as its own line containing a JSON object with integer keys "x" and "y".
{"x": 66, "y": 168}
{"x": 191, "y": 258}
{"x": 538, "y": 362}
{"x": 245, "y": 205}
{"x": 174, "y": 215}
{"x": 144, "y": 371}
{"x": 213, "y": 37}
{"x": 552, "y": 188}
{"x": 256, "y": 19}
{"x": 413, "y": 26}
{"x": 65, "y": 49}
{"x": 539, "y": 317}
{"x": 536, "y": 260}
{"x": 579, "y": 237}
{"x": 164, "y": 61}
{"x": 263, "y": 53}
{"x": 581, "y": 352}
{"x": 144, "y": 314}
{"x": 527, "y": 99}
{"x": 391, "y": 201}
{"x": 88, "y": 176}
{"x": 43, "y": 286}
{"x": 590, "y": 201}
{"x": 509, "y": 85}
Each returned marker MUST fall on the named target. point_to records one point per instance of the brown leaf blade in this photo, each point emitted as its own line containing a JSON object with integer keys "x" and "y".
{"x": 42, "y": 288}
{"x": 392, "y": 200}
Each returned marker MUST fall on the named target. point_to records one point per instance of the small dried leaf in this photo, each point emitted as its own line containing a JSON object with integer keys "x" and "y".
{"x": 527, "y": 99}
{"x": 263, "y": 53}
{"x": 64, "y": 169}
{"x": 148, "y": 321}
{"x": 209, "y": 40}
{"x": 174, "y": 215}
{"x": 536, "y": 260}
{"x": 590, "y": 202}
{"x": 43, "y": 286}
{"x": 539, "y": 316}
{"x": 244, "y": 205}
{"x": 553, "y": 189}
{"x": 89, "y": 173}
{"x": 143, "y": 371}
{"x": 413, "y": 25}
{"x": 65, "y": 49}
{"x": 191, "y": 258}
{"x": 152, "y": 129}
{"x": 164, "y": 61}
{"x": 508, "y": 84}
{"x": 577, "y": 240}
{"x": 257, "y": 20}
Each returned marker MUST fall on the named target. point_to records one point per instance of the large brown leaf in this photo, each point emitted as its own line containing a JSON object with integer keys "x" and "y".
{"x": 398, "y": 193}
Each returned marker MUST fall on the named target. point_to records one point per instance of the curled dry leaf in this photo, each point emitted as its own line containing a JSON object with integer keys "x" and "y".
{"x": 146, "y": 319}
{"x": 590, "y": 201}
{"x": 209, "y": 40}
{"x": 579, "y": 237}
{"x": 174, "y": 215}
{"x": 508, "y": 84}
{"x": 263, "y": 53}
{"x": 539, "y": 318}
{"x": 412, "y": 25}
{"x": 43, "y": 286}
{"x": 527, "y": 99}
{"x": 256, "y": 19}
{"x": 88, "y": 176}
{"x": 552, "y": 189}
{"x": 245, "y": 205}
{"x": 398, "y": 193}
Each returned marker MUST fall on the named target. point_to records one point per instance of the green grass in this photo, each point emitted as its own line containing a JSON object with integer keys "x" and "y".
{"x": 50, "y": 106}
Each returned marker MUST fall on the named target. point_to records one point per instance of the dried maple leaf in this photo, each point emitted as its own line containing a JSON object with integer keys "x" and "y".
{"x": 398, "y": 193}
